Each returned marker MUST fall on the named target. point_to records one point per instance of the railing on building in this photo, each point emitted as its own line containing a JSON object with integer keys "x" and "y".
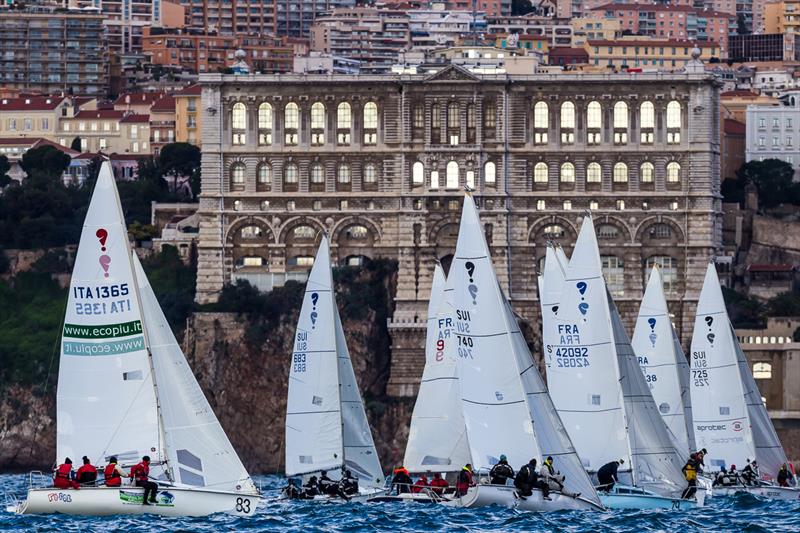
{"x": 266, "y": 281}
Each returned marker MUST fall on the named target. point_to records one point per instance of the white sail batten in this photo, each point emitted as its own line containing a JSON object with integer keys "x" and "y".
{"x": 313, "y": 409}
{"x": 106, "y": 402}
{"x": 437, "y": 438}
{"x": 492, "y": 397}
{"x": 198, "y": 450}
{"x": 360, "y": 455}
{"x": 730, "y": 420}
{"x": 663, "y": 363}
{"x": 583, "y": 375}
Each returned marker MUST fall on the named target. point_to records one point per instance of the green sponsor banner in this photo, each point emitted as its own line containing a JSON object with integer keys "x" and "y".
{"x": 103, "y": 348}
{"x": 108, "y": 331}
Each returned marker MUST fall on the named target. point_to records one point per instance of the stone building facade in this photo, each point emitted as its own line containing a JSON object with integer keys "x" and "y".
{"x": 380, "y": 163}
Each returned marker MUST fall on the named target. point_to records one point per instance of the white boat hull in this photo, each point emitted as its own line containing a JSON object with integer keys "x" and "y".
{"x": 504, "y": 496}
{"x": 419, "y": 497}
{"x": 171, "y": 501}
{"x": 771, "y": 492}
{"x": 624, "y": 497}
{"x": 363, "y": 496}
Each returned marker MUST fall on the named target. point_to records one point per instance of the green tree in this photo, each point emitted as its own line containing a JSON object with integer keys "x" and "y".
{"x": 773, "y": 180}
{"x": 733, "y": 191}
{"x": 521, "y": 7}
{"x": 46, "y": 161}
{"x": 743, "y": 311}
{"x": 173, "y": 282}
{"x": 784, "y": 304}
{"x": 76, "y": 144}
{"x": 180, "y": 160}
{"x": 5, "y": 167}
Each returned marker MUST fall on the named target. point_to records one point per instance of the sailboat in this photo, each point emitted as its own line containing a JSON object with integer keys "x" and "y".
{"x": 730, "y": 419}
{"x": 664, "y": 366}
{"x": 505, "y": 405}
{"x": 437, "y": 439}
{"x": 600, "y": 392}
{"x": 126, "y": 390}
{"x": 326, "y": 426}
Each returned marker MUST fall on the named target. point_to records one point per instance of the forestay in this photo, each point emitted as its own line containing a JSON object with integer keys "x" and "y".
{"x": 313, "y": 409}
{"x": 492, "y": 397}
{"x": 437, "y": 439}
{"x": 106, "y": 402}
{"x": 663, "y": 363}
{"x": 198, "y": 450}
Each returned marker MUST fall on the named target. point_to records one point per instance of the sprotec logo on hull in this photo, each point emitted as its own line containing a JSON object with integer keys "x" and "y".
{"x": 164, "y": 499}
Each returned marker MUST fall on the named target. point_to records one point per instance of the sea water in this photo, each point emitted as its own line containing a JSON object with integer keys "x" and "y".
{"x": 743, "y": 513}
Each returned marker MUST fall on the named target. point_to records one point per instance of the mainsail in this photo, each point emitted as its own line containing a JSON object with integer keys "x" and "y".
{"x": 326, "y": 427}
{"x": 437, "y": 439}
{"x": 198, "y": 450}
{"x": 665, "y": 368}
{"x": 106, "y": 400}
{"x": 730, "y": 419}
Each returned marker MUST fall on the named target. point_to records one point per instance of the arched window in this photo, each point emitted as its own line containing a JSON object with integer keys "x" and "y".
{"x": 620, "y": 173}
{"x": 621, "y": 115}
{"x": 673, "y": 172}
{"x": 239, "y": 123}
{"x": 594, "y": 115}
{"x": 541, "y": 122}
{"x": 357, "y": 232}
{"x": 370, "y": 123}
{"x": 489, "y": 173}
{"x": 317, "y": 124}
{"x": 370, "y": 174}
{"x": 614, "y": 274}
{"x": 762, "y": 371}
{"x": 594, "y": 174}
{"x": 251, "y": 232}
{"x": 540, "y": 173}
{"x": 291, "y": 123}
{"x": 453, "y": 123}
{"x": 669, "y": 271}
{"x": 674, "y": 122}
{"x": 317, "y": 173}
{"x": 290, "y": 174}
{"x": 451, "y": 176}
{"x": 263, "y": 177}
{"x": 660, "y": 231}
{"x": 237, "y": 177}
{"x": 304, "y": 233}
{"x": 344, "y": 122}
{"x": 553, "y": 232}
{"x": 567, "y": 123}
{"x": 265, "y": 118}
{"x": 417, "y": 173}
{"x": 647, "y": 122}
{"x": 607, "y": 231}
{"x": 567, "y": 174}
{"x": 343, "y": 174}
{"x": 647, "y": 172}
{"x": 470, "y": 178}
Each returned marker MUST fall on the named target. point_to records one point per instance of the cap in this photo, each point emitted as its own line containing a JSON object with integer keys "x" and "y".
{"x": 503, "y": 457}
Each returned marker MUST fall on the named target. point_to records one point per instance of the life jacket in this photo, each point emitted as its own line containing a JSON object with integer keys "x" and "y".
{"x": 464, "y": 479}
{"x": 550, "y": 468}
{"x": 112, "y": 476}
{"x": 140, "y": 472}
{"x": 439, "y": 483}
{"x": 690, "y": 471}
{"x": 64, "y": 471}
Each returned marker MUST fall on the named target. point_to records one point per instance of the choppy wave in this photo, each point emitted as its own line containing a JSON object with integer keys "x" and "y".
{"x": 743, "y": 513}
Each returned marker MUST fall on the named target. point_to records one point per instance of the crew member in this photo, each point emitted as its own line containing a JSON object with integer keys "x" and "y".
{"x": 465, "y": 480}
{"x": 87, "y": 473}
{"x": 327, "y": 485}
{"x": 554, "y": 479}
{"x": 64, "y": 477}
{"x": 141, "y": 476}
{"x": 690, "y": 470}
{"x": 348, "y": 485}
{"x": 401, "y": 480}
{"x": 750, "y": 473}
{"x": 607, "y": 475}
{"x": 501, "y": 472}
{"x": 113, "y": 474}
{"x": 785, "y": 476}
{"x": 700, "y": 456}
{"x": 310, "y": 489}
{"x": 721, "y": 479}
{"x": 527, "y": 479}
{"x": 419, "y": 485}
{"x": 438, "y": 484}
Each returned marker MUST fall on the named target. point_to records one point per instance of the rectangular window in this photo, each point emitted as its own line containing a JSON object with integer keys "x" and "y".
{"x": 134, "y": 131}
{"x": 103, "y": 143}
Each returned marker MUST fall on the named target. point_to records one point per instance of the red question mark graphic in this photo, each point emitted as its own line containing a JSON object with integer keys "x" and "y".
{"x": 105, "y": 261}
{"x": 102, "y": 235}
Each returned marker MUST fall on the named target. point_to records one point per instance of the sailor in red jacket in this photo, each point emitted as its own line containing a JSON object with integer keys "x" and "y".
{"x": 63, "y": 478}
{"x": 113, "y": 473}
{"x": 465, "y": 480}
{"x": 87, "y": 473}
{"x": 420, "y": 485}
{"x": 141, "y": 476}
{"x": 438, "y": 484}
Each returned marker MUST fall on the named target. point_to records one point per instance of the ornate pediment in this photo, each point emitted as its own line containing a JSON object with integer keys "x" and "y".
{"x": 453, "y": 73}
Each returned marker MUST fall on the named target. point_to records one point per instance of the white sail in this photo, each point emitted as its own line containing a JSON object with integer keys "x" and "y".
{"x": 583, "y": 377}
{"x": 198, "y": 450}
{"x": 437, "y": 438}
{"x": 360, "y": 455}
{"x": 550, "y": 283}
{"x": 106, "y": 401}
{"x": 665, "y": 368}
{"x": 313, "y": 409}
{"x": 492, "y": 398}
{"x": 730, "y": 420}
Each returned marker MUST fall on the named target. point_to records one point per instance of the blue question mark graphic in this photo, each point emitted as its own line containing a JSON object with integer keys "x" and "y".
{"x": 652, "y": 323}
{"x": 313, "y": 319}
{"x": 473, "y": 289}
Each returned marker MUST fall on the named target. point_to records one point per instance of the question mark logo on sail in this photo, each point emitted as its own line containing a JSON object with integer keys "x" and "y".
{"x": 313, "y": 319}
{"x": 710, "y": 338}
{"x": 652, "y": 323}
{"x": 473, "y": 289}
{"x": 102, "y": 236}
{"x": 105, "y": 262}
{"x": 709, "y": 320}
{"x": 314, "y": 299}
{"x": 583, "y": 307}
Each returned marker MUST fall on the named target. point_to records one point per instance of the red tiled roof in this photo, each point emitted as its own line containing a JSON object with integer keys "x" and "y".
{"x": 191, "y": 90}
{"x": 654, "y": 42}
{"x": 136, "y": 118}
{"x": 32, "y": 142}
{"x": 642, "y": 7}
{"x": 100, "y": 114}
{"x": 738, "y": 92}
{"x": 770, "y": 268}
{"x": 30, "y": 103}
{"x": 566, "y": 51}
{"x": 165, "y": 104}
{"x": 735, "y": 127}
